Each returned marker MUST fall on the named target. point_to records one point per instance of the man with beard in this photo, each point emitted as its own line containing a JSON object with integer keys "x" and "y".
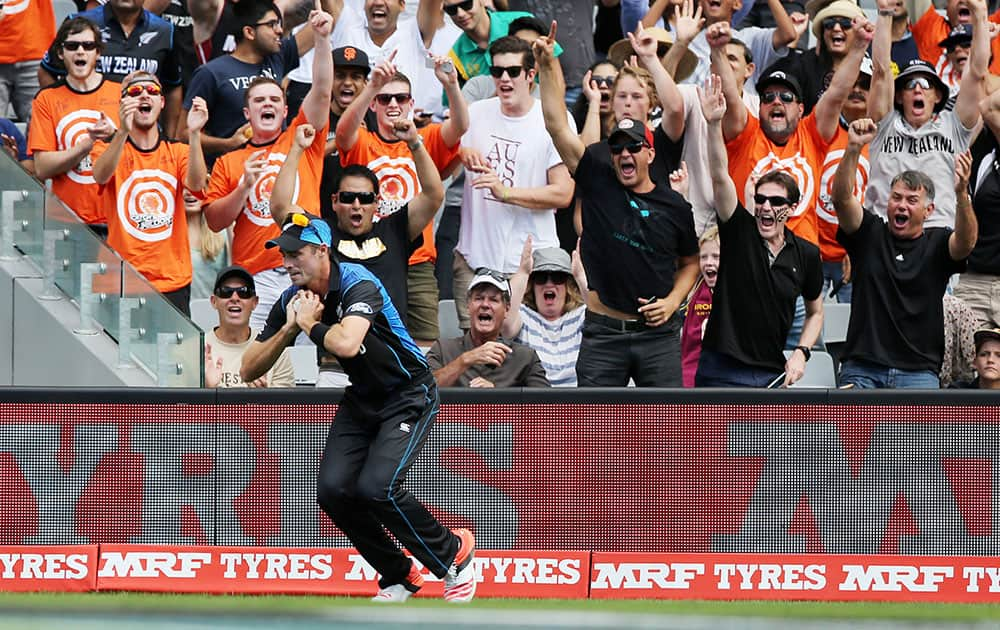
{"x": 901, "y": 269}
{"x": 143, "y": 177}
{"x": 764, "y": 268}
{"x": 638, "y": 247}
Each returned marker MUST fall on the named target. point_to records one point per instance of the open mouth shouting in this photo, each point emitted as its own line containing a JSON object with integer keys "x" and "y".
{"x": 964, "y": 14}
{"x": 626, "y": 167}
{"x": 900, "y": 219}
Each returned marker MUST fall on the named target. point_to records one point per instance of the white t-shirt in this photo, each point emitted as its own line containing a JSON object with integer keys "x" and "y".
{"x": 281, "y": 373}
{"x": 520, "y": 151}
{"x": 760, "y": 41}
{"x": 931, "y": 149}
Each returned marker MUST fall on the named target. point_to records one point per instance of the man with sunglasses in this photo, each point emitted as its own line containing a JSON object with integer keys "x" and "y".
{"x": 901, "y": 271}
{"x": 133, "y": 39}
{"x": 143, "y": 176}
{"x": 70, "y": 116}
{"x": 382, "y": 421}
{"x": 239, "y": 191}
{"x": 915, "y": 132}
{"x": 234, "y": 298}
{"x": 932, "y": 27}
{"x": 764, "y": 269}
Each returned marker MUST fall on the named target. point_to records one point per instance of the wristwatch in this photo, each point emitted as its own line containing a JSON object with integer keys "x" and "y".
{"x": 806, "y": 352}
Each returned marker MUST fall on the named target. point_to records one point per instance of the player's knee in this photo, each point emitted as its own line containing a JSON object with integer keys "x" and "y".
{"x": 331, "y": 495}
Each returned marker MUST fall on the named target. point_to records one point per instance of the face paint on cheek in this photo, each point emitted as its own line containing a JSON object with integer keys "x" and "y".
{"x": 781, "y": 215}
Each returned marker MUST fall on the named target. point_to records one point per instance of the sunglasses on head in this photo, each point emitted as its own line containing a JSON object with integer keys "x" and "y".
{"x": 632, "y": 147}
{"x": 137, "y": 88}
{"x": 401, "y": 98}
{"x": 485, "y": 271}
{"x": 603, "y": 81}
{"x": 545, "y": 277}
{"x": 923, "y": 82}
{"x": 843, "y": 22}
{"x": 770, "y": 97}
{"x": 79, "y": 45}
{"x": 244, "y": 292}
{"x": 349, "y": 197}
{"x": 452, "y": 9}
{"x": 512, "y": 71}
{"x": 776, "y": 201}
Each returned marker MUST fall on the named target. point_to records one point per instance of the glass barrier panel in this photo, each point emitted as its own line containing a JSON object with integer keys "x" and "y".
{"x": 23, "y": 194}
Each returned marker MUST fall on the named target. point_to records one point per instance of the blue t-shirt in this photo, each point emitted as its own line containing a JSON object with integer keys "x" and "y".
{"x": 8, "y": 128}
{"x": 223, "y": 81}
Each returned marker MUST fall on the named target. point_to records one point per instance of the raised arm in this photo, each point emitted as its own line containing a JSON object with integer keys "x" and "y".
{"x": 518, "y": 284}
{"x": 430, "y": 18}
{"x": 553, "y": 90}
{"x": 670, "y": 97}
{"x": 972, "y": 90}
{"x": 713, "y": 108}
{"x": 591, "y": 131}
{"x": 105, "y": 165}
{"x": 656, "y": 10}
{"x": 833, "y": 99}
{"x": 428, "y": 200}
{"x": 687, "y": 23}
{"x": 849, "y": 210}
{"x": 883, "y": 88}
{"x": 354, "y": 115}
{"x": 197, "y": 172}
{"x": 784, "y": 28}
{"x": 963, "y": 239}
{"x": 457, "y": 124}
{"x": 316, "y": 104}
{"x": 284, "y": 183}
{"x": 735, "y": 119}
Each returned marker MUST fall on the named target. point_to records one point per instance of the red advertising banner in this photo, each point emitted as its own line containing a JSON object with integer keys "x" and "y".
{"x": 67, "y": 568}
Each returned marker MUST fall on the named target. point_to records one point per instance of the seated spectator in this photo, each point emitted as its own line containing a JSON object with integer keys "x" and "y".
{"x": 987, "y": 362}
{"x": 482, "y": 357}
{"x": 12, "y": 141}
{"x": 234, "y": 297}
{"x": 547, "y": 309}
{"x": 699, "y": 304}
{"x": 765, "y": 269}
{"x": 901, "y": 269}
{"x": 143, "y": 177}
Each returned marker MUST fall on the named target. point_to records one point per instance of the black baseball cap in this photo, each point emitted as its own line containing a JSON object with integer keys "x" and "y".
{"x": 782, "y": 77}
{"x": 234, "y": 271}
{"x": 634, "y": 129}
{"x": 351, "y": 57}
{"x": 961, "y": 34}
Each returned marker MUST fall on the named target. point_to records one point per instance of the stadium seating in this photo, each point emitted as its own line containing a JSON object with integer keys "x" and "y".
{"x": 203, "y": 315}
{"x": 820, "y": 371}
{"x": 448, "y": 320}
{"x": 304, "y": 364}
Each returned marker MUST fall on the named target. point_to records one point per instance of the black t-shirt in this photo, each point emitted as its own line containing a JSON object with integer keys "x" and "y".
{"x": 631, "y": 241}
{"x": 753, "y": 304}
{"x": 385, "y": 251}
{"x": 985, "y": 258}
{"x": 389, "y": 359}
{"x": 897, "y": 318}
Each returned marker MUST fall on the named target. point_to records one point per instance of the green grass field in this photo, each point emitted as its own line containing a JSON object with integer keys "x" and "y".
{"x": 127, "y": 610}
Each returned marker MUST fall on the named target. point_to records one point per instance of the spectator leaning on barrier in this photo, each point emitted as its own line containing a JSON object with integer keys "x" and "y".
{"x": 482, "y": 357}
{"x": 382, "y": 421}
{"x": 143, "y": 176}
{"x": 764, "y": 268}
{"x": 987, "y": 362}
{"x": 234, "y": 297}
{"x": 896, "y": 334}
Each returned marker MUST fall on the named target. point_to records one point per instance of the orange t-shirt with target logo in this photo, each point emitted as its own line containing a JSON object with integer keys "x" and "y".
{"x": 801, "y": 157}
{"x": 144, "y": 210}
{"x": 393, "y": 163}
{"x": 255, "y": 225}
{"x": 931, "y": 29}
{"x": 59, "y": 120}
{"x": 826, "y": 215}
{"x": 27, "y": 27}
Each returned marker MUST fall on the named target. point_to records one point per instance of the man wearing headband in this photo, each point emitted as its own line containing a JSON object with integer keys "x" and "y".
{"x": 764, "y": 267}
{"x": 382, "y": 421}
{"x": 145, "y": 176}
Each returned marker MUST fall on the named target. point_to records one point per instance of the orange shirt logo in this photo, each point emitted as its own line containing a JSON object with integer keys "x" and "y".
{"x": 397, "y": 182}
{"x": 146, "y": 205}
{"x": 69, "y": 131}
{"x": 10, "y": 8}
{"x": 258, "y": 206}
{"x": 799, "y": 168}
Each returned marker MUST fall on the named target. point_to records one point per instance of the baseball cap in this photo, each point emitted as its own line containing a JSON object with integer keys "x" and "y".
{"x": 960, "y": 34}
{"x": 634, "y": 129}
{"x": 234, "y": 271}
{"x": 987, "y": 334}
{"x": 301, "y": 229}
{"x": 780, "y": 76}
{"x": 351, "y": 57}
{"x": 919, "y": 66}
{"x": 552, "y": 259}
{"x": 492, "y": 278}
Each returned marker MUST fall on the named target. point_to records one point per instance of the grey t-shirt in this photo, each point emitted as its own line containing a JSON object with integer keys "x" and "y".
{"x": 576, "y": 31}
{"x": 931, "y": 150}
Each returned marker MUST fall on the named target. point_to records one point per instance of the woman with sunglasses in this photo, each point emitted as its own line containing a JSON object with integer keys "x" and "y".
{"x": 593, "y": 111}
{"x": 547, "y": 309}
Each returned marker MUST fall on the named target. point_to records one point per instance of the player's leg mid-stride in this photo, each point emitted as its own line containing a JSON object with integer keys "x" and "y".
{"x": 459, "y": 582}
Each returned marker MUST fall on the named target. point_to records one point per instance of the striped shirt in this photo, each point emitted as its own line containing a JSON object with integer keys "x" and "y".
{"x": 556, "y": 343}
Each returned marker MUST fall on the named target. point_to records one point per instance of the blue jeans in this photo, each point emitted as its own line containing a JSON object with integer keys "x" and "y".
{"x": 716, "y": 369}
{"x": 833, "y": 273}
{"x": 866, "y": 375}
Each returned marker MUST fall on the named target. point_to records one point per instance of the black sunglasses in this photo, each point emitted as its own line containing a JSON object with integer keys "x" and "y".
{"x": 244, "y": 292}
{"x": 545, "y": 277}
{"x": 512, "y": 71}
{"x": 603, "y": 81}
{"x": 452, "y": 9}
{"x": 385, "y": 99}
{"x": 830, "y": 22}
{"x": 79, "y": 45}
{"x": 769, "y": 97}
{"x": 632, "y": 147}
{"x": 348, "y": 198}
{"x": 776, "y": 201}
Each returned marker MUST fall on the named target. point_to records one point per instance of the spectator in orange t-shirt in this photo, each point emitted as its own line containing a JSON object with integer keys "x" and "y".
{"x": 70, "y": 116}
{"x": 143, "y": 177}
{"x": 388, "y": 94}
{"x": 932, "y": 28}
{"x": 239, "y": 191}
{"x": 26, "y": 28}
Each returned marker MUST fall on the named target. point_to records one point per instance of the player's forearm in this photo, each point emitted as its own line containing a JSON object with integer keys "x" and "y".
{"x": 261, "y": 355}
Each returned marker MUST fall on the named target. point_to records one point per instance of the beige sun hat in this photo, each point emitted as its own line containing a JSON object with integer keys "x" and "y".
{"x": 837, "y": 8}
{"x": 620, "y": 51}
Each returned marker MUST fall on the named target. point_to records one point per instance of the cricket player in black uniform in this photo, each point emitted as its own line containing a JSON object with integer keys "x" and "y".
{"x": 383, "y": 420}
